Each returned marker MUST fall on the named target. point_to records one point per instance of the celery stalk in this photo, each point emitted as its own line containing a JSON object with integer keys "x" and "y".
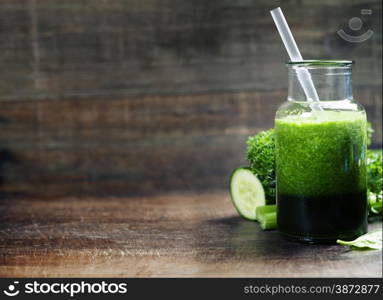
{"x": 267, "y": 216}
{"x": 269, "y": 221}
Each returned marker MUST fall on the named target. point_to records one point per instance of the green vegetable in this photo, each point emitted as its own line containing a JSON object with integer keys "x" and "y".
{"x": 268, "y": 221}
{"x": 375, "y": 171}
{"x": 260, "y": 154}
{"x": 374, "y": 203}
{"x": 267, "y": 216}
{"x": 266, "y": 209}
{"x": 371, "y": 240}
{"x": 374, "y": 176}
{"x": 246, "y": 193}
{"x": 374, "y": 181}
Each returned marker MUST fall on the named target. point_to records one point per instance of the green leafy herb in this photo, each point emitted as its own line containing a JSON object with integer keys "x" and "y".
{"x": 371, "y": 240}
{"x": 260, "y": 154}
{"x": 374, "y": 181}
{"x": 375, "y": 171}
{"x": 375, "y": 203}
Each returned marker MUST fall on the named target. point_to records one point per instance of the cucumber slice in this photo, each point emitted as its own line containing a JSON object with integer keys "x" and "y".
{"x": 247, "y": 192}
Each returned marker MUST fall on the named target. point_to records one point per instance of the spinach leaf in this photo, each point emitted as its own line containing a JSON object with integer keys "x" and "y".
{"x": 371, "y": 240}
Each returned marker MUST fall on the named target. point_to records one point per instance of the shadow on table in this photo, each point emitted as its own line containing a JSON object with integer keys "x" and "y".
{"x": 237, "y": 239}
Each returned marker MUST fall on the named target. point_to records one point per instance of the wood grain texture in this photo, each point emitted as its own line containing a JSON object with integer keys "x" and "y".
{"x": 124, "y": 97}
{"x": 166, "y": 46}
{"x": 139, "y": 145}
{"x": 189, "y": 235}
{"x": 130, "y": 145}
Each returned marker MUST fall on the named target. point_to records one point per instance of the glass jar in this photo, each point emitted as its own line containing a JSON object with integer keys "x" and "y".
{"x": 321, "y": 157}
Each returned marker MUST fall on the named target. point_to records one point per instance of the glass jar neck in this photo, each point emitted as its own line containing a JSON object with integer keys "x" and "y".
{"x": 332, "y": 83}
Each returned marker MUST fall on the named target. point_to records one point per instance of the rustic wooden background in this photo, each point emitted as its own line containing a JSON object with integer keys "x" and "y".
{"x": 133, "y": 97}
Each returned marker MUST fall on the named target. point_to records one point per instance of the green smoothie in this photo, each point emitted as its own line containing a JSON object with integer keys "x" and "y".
{"x": 321, "y": 174}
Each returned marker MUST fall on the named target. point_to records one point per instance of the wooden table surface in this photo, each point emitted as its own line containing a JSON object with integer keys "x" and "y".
{"x": 163, "y": 236}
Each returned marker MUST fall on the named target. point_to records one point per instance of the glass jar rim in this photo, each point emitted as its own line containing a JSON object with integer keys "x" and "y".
{"x": 321, "y": 63}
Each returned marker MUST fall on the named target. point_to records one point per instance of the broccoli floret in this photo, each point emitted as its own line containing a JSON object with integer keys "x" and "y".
{"x": 260, "y": 154}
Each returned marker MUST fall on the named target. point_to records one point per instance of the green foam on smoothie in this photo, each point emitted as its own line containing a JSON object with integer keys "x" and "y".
{"x": 321, "y": 153}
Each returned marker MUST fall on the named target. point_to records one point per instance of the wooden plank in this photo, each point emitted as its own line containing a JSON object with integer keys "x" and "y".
{"x": 132, "y": 145}
{"x": 133, "y": 97}
{"x": 149, "y": 116}
{"x": 174, "y": 236}
{"x": 127, "y": 146}
{"x": 53, "y": 48}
